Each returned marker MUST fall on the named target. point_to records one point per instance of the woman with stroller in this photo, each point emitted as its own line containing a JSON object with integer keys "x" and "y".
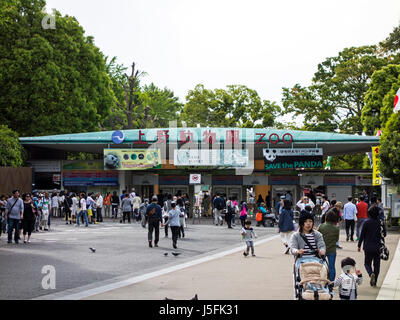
{"x": 307, "y": 242}
{"x": 285, "y": 224}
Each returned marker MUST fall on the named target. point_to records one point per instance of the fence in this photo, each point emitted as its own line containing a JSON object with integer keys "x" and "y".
{"x": 15, "y": 178}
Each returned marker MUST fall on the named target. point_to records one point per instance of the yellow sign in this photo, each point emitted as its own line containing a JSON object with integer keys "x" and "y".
{"x": 376, "y": 174}
{"x": 132, "y": 159}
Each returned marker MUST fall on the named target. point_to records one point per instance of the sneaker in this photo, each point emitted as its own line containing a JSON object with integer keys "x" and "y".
{"x": 24, "y": 241}
{"x": 46, "y": 229}
{"x": 372, "y": 281}
{"x": 29, "y": 241}
{"x": 347, "y": 239}
{"x": 175, "y": 247}
{"x": 150, "y": 245}
{"x": 9, "y": 241}
{"x": 156, "y": 245}
{"x": 253, "y": 255}
{"x": 66, "y": 223}
{"x": 357, "y": 239}
{"x": 40, "y": 228}
{"x": 339, "y": 247}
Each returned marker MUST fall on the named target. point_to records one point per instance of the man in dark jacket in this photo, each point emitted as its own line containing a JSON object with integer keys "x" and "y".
{"x": 371, "y": 234}
{"x": 219, "y": 204}
{"x": 154, "y": 217}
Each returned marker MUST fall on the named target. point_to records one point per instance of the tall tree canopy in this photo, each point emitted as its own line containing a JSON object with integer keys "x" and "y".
{"x": 11, "y": 151}
{"x": 335, "y": 99}
{"x": 235, "y": 106}
{"x": 51, "y": 80}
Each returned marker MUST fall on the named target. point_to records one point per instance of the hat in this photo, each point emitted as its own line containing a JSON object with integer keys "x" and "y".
{"x": 304, "y": 215}
{"x": 154, "y": 198}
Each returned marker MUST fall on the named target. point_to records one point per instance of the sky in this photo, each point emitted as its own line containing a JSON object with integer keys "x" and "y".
{"x": 265, "y": 45}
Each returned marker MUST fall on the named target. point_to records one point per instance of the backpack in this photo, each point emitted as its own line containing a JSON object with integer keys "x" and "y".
{"x": 219, "y": 204}
{"x": 231, "y": 209}
{"x": 259, "y": 216}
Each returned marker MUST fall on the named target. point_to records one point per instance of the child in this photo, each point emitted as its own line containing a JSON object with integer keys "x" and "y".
{"x": 248, "y": 234}
{"x": 347, "y": 281}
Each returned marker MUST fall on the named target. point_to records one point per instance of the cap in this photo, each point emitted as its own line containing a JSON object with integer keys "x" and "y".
{"x": 154, "y": 198}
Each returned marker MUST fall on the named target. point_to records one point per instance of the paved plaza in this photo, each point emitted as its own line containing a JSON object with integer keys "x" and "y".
{"x": 123, "y": 267}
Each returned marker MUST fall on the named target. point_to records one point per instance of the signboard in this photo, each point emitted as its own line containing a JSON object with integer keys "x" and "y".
{"x": 132, "y": 159}
{"x": 310, "y": 180}
{"x": 364, "y": 181}
{"x": 339, "y": 181}
{"x": 255, "y": 180}
{"x": 211, "y": 158}
{"x": 83, "y": 165}
{"x": 46, "y": 166}
{"x": 195, "y": 178}
{"x": 275, "y": 158}
{"x": 376, "y": 174}
{"x": 90, "y": 178}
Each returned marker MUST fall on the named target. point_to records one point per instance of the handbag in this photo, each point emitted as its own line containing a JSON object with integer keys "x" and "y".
{"x": 383, "y": 250}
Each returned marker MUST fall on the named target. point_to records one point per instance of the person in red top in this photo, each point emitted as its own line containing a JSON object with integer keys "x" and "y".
{"x": 362, "y": 214}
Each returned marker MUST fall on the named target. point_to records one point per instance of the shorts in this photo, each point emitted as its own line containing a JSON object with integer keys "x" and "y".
{"x": 89, "y": 212}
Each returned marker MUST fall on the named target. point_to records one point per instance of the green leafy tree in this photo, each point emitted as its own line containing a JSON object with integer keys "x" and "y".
{"x": 335, "y": 99}
{"x": 11, "y": 152}
{"x": 379, "y": 98}
{"x": 52, "y": 81}
{"x": 235, "y": 106}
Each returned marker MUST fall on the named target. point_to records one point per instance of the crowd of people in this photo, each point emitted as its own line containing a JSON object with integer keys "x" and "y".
{"x": 306, "y": 240}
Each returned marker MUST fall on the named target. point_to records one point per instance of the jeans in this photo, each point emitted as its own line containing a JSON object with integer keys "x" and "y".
{"x": 331, "y": 260}
{"x": 99, "y": 216}
{"x": 376, "y": 259}
{"x": 82, "y": 213}
{"x": 250, "y": 245}
{"x": 175, "y": 234}
{"x": 349, "y": 224}
{"x": 154, "y": 224}
{"x": 166, "y": 227}
{"x": 217, "y": 216}
{"x": 128, "y": 215}
{"x": 114, "y": 211}
{"x": 360, "y": 222}
{"x": 13, "y": 223}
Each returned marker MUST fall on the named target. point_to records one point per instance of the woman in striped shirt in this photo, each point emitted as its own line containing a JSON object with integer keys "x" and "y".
{"x": 299, "y": 246}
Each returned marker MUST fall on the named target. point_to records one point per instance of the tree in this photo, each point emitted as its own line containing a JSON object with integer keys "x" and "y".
{"x": 335, "y": 99}
{"x": 52, "y": 81}
{"x": 11, "y": 152}
{"x": 389, "y": 149}
{"x": 235, "y": 106}
{"x": 137, "y": 106}
{"x": 379, "y": 98}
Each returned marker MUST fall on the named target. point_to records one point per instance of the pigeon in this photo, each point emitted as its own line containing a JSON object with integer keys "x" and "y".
{"x": 176, "y": 253}
{"x": 165, "y": 254}
{"x": 93, "y": 249}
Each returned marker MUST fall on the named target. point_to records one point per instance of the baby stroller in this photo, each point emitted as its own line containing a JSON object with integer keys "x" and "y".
{"x": 311, "y": 279}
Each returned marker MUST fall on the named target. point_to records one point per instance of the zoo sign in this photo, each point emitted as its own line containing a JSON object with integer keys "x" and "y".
{"x": 132, "y": 159}
{"x": 283, "y": 158}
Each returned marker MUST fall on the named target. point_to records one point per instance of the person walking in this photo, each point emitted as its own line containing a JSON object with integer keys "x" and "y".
{"x": 99, "y": 207}
{"x": 236, "y": 206}
{"x": 324, "y": 208}
{"x": 181, "y": 206}
{"x": 174, "y": 223}
{"x": 307, "y": 241}
{"x": 14, "y": 212}
{"x": 347, "y": 281}
{"x": 83, "y": 210}
{"x": 206, "y": 204}
{"x": 362, "y": 215}
{"x": 115, "y": 204}
{"x": 74, "y": 207}
{"x": 136, "y": 202}
{"x": 243, "y": 213}
{"x": 142, "y": 210}
{"x": 230, "y": 211}
{"x": 67, "y": 204}
{"x": 371, "y": 235}
{"x": 126, "y": 209}
{"x": 166, "y": 209}
{"x": 330, "y": 232}
{"x": 45, "y": 206}
{"x": 248, "y": 234}
{"x": 28, "y": 221}
{"x": 107, "y": 205}
{"x": 154, "y": 217}
{"x": 285, "y": 224}
{"x": 54, "y": 204}
{"x": 349, "y": 214}
{"x": 219, "y": 205}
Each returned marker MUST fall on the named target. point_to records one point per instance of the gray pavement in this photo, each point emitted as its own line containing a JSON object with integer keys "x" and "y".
{"x": 121, "y": 252}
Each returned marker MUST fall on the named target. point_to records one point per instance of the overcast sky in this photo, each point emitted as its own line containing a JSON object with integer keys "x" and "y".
{"x": 265, "y": 45}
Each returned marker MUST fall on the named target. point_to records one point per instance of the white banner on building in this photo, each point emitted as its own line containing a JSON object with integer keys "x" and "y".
{"x": 190, "y": 157}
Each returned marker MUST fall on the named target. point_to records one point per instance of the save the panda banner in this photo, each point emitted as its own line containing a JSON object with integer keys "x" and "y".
{"x": 282, "y": 158}
{"x": 132, "y": 159}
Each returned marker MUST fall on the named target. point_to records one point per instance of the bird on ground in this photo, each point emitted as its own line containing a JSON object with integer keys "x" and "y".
{"x": 176, "y": 253}
{"x": 165, "y": 254}
{"x": 93, "y": 249}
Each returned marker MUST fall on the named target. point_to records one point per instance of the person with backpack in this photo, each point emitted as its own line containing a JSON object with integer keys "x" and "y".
{"x": 231, "y": 210}
{"x": 182, "y": 217}
{"x": 243, "y": 213}
{"x": 285, "y": 224}
{"x": 219, "y": 205}
{"x": 136, "y": 201}
{"x": 154, "y": 217}
{"x": 15, "y": 213}
{"x": 142, "y": 211}
{"x": 174, "y": 223}
{"x": 115, "y": 201}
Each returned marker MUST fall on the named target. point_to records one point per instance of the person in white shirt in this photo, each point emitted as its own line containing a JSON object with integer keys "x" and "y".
{"x": 305, "y": 201}
{"x": 74, "y": 208}
{"x": 45, "y": 206}
{"x": 325, "y": 207}
{"x": 54, "y": 204}
{"x": 83, "y": 211}
{"x": 349, "y": 214}
{"x": 136, "y": 202}
{"x": 99, "y": 207}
